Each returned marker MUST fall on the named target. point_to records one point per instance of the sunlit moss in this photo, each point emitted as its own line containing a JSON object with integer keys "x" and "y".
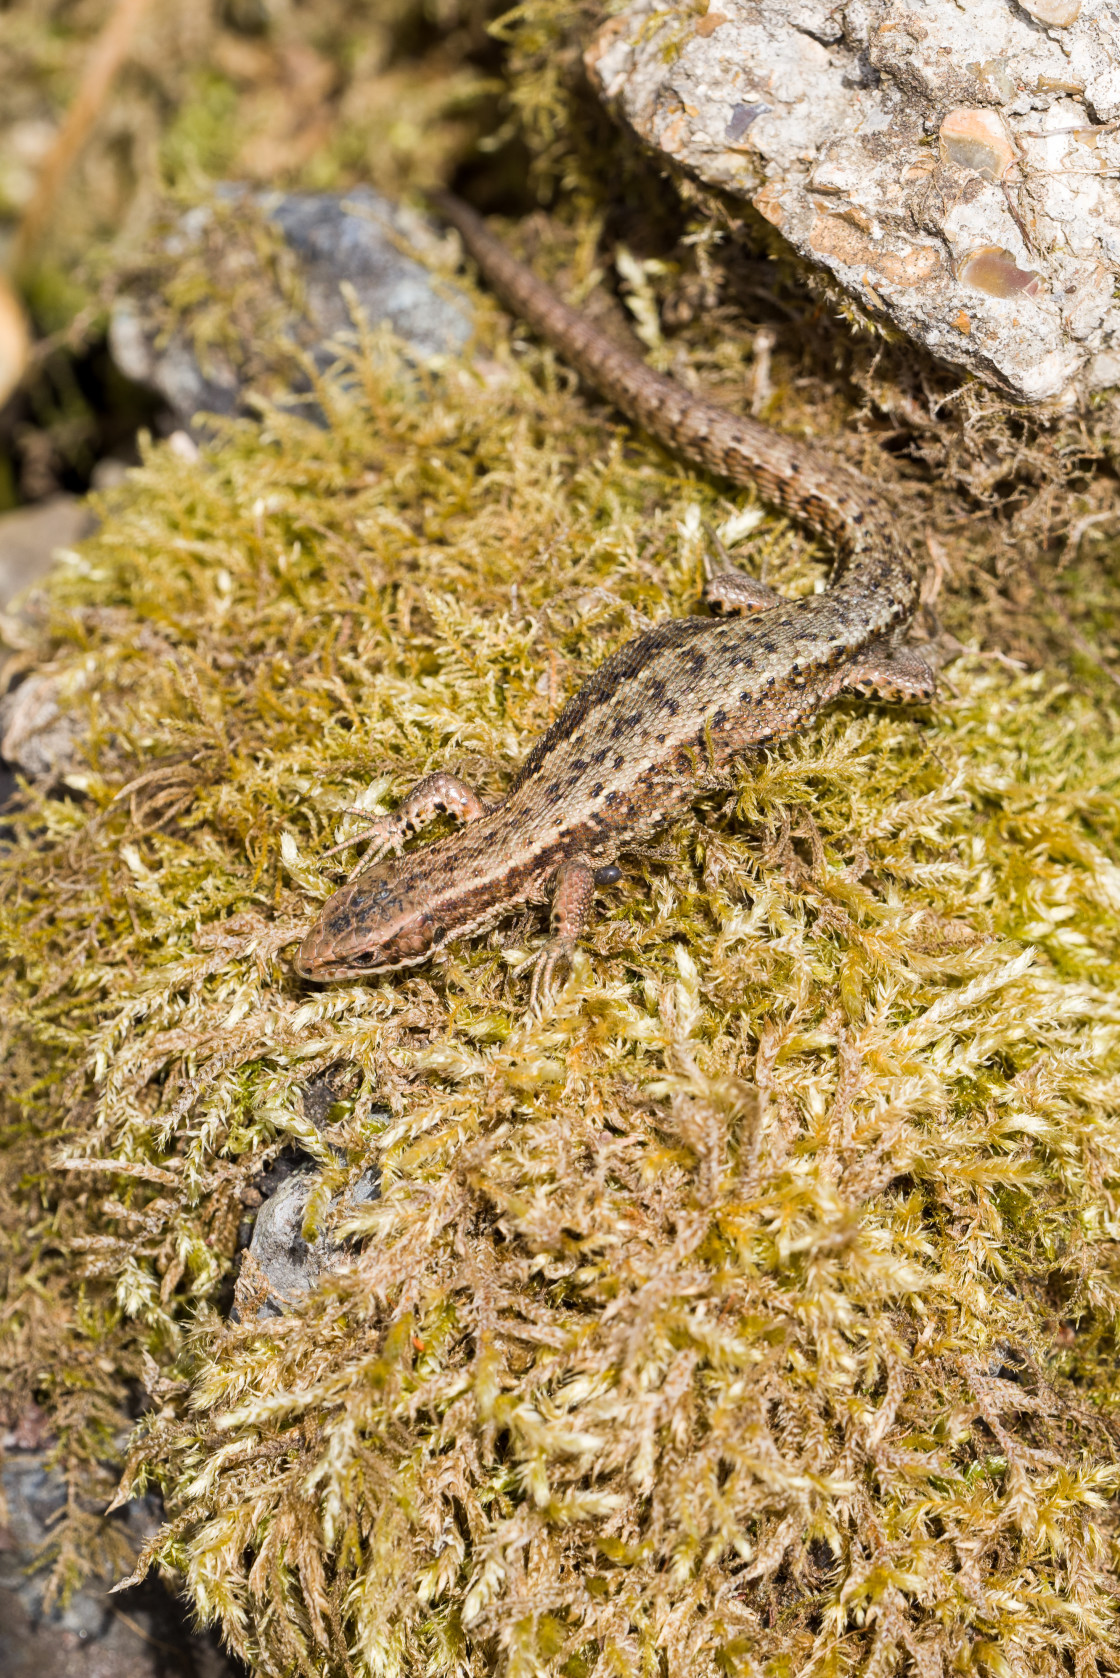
{"x": 757, "y": 1304}
{"x": 753, "y": 1311}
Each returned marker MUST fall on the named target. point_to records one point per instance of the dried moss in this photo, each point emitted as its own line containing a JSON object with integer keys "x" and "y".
{"x": 755, "y": 1309}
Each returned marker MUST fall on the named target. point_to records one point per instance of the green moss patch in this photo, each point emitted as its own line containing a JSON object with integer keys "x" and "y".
{"x": 751, "y": 1311}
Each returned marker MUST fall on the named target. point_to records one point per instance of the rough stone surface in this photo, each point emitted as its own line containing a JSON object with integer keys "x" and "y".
{"x": 292, "y": 1265}
{"x": 37, "y": 735}
{"x": 30, "y": 537}
{"x": 351, "y": 239}
{"x": 954, "y": 167}
{"x": 143, "y": 1633}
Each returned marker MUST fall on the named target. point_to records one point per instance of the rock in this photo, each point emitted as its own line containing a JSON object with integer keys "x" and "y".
{"x": 355, "y": 238}
{"x": 30, "y": 537}
{"x": 279, "y": 1257}
{"x": 292, "y": 1265}
{"x": 170, "y": 368}
{"x": 142, "y": 1633}
{"x": 350, "y": 239}
{"x": 36, "y": 735}
{"x": 953, "y": 168}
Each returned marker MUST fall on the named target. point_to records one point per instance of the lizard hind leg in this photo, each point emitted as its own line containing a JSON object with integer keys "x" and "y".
{"x": 735, "y": 591}
{"x": 897, "y": 673}
{"x": 730, "y": 590}
{"x": 571, "y": 906}
{"x": 435, "y": 795}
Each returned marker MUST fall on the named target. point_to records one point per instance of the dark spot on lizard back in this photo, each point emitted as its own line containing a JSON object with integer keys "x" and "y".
{"x": 609, "y": 681}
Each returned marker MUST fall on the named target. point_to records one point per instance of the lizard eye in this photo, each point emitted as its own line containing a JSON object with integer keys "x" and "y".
{"x": 439, "y": 934}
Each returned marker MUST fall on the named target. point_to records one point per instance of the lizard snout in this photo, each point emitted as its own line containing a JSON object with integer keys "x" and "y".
{"x": 367, "y": 927}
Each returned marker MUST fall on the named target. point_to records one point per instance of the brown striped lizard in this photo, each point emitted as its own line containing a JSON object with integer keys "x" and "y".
{"x": 660, "y": 719}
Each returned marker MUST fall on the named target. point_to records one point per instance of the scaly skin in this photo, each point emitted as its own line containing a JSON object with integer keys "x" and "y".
{"x": 662, "y": 717}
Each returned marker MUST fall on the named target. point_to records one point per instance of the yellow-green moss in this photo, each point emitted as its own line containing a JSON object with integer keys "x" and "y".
{"x": 752, "y": 1311}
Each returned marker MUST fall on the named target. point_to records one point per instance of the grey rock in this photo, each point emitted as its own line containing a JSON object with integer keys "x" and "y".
{"x": 30, "y": 537}
{"x": 353, "y": 240}
{"x": 140, "y": 1634}
{"x": 36, "y": 734}
{"x": 35, "y": 1496}
{"x": 953, "y": 167}
{"x": 170, "y": 368}
{"x": 293, "y": 1265}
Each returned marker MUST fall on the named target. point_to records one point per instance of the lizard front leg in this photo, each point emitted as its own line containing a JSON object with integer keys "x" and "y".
{"x": 437, "y": 794}
{"x": 576, "y": 879}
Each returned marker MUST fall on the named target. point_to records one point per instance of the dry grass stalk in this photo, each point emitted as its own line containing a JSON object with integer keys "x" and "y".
{"x": 108, "y": 54}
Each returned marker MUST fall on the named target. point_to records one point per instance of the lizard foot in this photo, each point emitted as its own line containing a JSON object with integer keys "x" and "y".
{"x": 546, "y": 964}
{"x": 735, "y": 591}
{"x": 384, "y": 831}
{"x": 435, "y": 795}
{"x": 898, "y": 673}
{"x": 576, "y": 879}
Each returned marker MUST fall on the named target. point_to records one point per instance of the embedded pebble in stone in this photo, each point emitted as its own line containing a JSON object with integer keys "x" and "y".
{"x": 993, "y": 79}
{"x": 1056, "y": 14}
{"x": 977, "y": 140}
{"x": 995, "y": 271}
{"x": 740, "y": 120}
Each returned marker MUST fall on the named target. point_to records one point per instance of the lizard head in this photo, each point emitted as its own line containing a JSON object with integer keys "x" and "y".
{"x": 381, "y": 920}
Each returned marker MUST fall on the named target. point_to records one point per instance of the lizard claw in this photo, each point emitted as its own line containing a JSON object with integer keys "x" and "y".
{"x": 544, "y": 968}
{"x": 385, "y": 837}
{"x": 374, "y": 854}
{"x": 385, "y": 834}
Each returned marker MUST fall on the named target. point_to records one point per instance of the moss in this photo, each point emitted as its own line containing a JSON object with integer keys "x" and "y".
{"x": 755, "y": 1307}
{"x": 754, "y": 1310}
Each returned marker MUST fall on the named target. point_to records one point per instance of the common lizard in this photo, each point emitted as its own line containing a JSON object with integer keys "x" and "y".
{"x": 662, "y": 716}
